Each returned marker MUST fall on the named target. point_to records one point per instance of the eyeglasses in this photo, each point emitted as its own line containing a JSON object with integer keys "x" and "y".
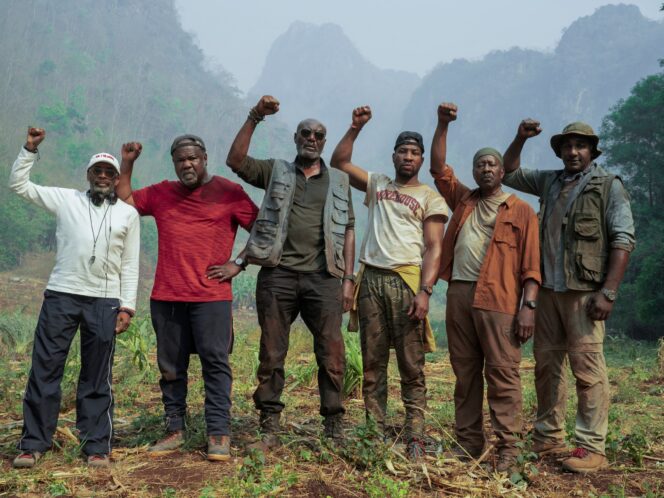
{"x": 101, "y": 170}
{"x": 306, "y": 133}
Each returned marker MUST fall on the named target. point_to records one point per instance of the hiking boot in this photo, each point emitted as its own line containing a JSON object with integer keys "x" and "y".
{"x": 167, "y": 445}
{"x": 553, "y": 449}
{"x": 219, "y": 448}
{"x": 26, "y": 460}
{"x": 506, "y": 463}
{"x": 99, "y": 461}
{"x": 269, "y": 428}
{"x": 333, "y": 427}
{"x": 583, "y": 461}
{"x": 415, "y": 449}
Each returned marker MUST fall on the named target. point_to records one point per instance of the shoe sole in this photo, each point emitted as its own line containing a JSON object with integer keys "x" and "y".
{"x": 218, "y": 458}
{"x": 21, "y": 465}
{"x": 159, "y": 453}
{"x": 586, "y": 471}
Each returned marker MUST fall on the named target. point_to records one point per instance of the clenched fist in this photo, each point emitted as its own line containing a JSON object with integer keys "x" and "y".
{"x": 267, "y": 105}
{"x": 447, "y": 112}
{"x": 529, "y": 128}
{"x": 131, "y": 151}
{"x": 361, "y": 116}
{"x": 34, "y": 138}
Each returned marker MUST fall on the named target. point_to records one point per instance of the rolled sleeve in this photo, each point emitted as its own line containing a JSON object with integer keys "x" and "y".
{"x": 530, "y": 260}
{"x": 256, "y": 172}
{"x": 449, "y": 186}
{"x": 529, "y": 181}
{"x": 619, "y": 220}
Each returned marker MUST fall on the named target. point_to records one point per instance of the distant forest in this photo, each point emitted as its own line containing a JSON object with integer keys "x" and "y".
{"x": 96, "y": 74}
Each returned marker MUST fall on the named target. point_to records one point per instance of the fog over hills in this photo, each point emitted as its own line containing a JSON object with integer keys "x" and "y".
{"x": 316, "y": 71}
{"x": 597, "y": 61}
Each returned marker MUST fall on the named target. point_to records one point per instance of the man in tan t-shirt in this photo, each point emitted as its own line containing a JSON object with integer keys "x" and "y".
{"x": 491, "y": 261}
{"x": 400, "y": 258}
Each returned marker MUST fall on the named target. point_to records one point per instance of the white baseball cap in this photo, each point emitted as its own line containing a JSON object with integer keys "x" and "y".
{"x": 104, "y": 157}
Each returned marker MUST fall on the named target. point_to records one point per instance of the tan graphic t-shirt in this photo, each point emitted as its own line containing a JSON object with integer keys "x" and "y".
{"x": 474, "y": 237}
{"x": 395, "y": 235}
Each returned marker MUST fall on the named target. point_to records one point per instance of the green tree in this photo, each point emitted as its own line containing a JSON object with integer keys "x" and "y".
{"x": 633, "y": 134}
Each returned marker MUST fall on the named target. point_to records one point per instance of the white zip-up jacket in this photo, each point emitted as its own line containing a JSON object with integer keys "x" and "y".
{"x": 114, "y": 271}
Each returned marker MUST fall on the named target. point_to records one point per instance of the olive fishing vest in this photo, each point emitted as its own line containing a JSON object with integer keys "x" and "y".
{"x": 267, "y": 237}
{"x": 584, "y": 233}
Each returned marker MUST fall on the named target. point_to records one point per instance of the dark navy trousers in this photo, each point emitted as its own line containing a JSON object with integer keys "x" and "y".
{"x": 199, "y": 328}
{"x": 61, "y": 315}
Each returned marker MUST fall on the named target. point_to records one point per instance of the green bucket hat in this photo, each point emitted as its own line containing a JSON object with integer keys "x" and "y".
{"x": 580, "y": 129}
{"x": 487, "y": 151}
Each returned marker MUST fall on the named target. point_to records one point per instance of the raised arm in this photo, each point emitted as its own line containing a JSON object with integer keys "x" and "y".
{"x": 447, "y": 112}
{"x": 528, "y": 128}
{"x": 130, "y": 152}
{"x": 266, "y": 106}
{"x": 434, "y": 227}
{"x": 341, "y": 157}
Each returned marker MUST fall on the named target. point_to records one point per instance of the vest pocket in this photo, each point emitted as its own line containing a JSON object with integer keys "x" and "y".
{"x": 586, "y": 227}
{"x": 277, "y": 195}
{"x": 589, "y": 268}
{"x": 260, "y": 245}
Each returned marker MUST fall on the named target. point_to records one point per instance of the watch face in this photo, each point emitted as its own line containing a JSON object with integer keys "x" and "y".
{"x": 239, "y": 261}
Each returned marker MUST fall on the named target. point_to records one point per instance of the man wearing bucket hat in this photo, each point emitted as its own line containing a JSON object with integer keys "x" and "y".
{"x": 491, "y": 261}
{"x": 587, "y": 233}
{"x": 197, "y": 219}
{"x": 400, "y": 258}
{"x": 92, "y": 286}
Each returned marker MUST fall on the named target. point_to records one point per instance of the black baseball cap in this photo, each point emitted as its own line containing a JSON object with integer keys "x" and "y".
{"x": 185, "y": 140}
{"x": 409, "y": 137}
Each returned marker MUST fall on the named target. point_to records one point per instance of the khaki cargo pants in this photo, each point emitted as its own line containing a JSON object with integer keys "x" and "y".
{"x": 383, "y": 305}
{"x": 483, "y": 341}
{"x": 564, "y": 331}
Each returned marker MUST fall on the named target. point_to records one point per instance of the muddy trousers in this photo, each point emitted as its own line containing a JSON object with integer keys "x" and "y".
{"x": 478, "y": 341}
{"x": 205, "y": 329}
{"x": 61, "y": 315}
{"x": 383, "y": 305}
{"x": 564, "y": 333}
{"x": 282, "y": 295}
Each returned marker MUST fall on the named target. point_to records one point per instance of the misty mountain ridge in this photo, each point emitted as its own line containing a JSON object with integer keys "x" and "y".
{"x": 598, "y": 60}
{"x": 316, "y": 71}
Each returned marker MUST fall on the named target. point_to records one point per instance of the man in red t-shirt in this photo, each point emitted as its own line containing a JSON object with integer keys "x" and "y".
{"x": 197, "y": 219}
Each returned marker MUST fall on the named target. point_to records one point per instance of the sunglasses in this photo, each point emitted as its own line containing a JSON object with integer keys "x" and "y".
{"x": 306, "y": 133}
{"x": 101, "y": 170}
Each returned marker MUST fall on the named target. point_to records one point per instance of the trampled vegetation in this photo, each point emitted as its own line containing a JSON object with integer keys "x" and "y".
{"x": 306, "y": 464}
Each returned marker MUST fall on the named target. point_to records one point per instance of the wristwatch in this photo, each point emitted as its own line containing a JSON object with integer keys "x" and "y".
{"x": 531, "y": 304}
{"x": 427, "y": 288}
{"x": 350, "y": 277}
{"x": 242, "y": 263}
{"x": 609, "y": 294}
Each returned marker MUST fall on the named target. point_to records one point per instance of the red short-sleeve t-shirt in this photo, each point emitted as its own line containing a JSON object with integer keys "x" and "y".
{"x": 196, "y": 229}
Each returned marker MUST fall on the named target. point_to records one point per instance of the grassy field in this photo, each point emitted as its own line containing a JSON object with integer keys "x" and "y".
{"x": 306, "y": 464}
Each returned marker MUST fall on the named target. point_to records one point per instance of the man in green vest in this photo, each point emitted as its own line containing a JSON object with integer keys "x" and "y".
{"x": 304, "y": 239}
{"x": 586, "y": 233}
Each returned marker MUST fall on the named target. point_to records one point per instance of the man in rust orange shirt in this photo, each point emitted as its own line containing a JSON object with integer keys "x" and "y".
{"x": 491, "y": 261}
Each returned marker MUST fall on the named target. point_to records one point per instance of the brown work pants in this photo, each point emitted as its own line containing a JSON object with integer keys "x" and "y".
{"x": 383, "y": 305}
{"x": 481, "y": 340}
{"x": 564, "y": 330}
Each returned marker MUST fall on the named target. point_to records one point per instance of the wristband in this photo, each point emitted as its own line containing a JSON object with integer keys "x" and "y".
{"x": 129, "y": 311}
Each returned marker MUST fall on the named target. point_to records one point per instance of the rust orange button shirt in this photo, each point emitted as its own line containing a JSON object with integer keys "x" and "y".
{"x": 513, "y": 255}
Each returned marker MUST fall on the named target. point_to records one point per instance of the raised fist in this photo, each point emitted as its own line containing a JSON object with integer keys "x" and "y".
{"x": 34, "y": 138}
{"x": 131, "y": 151}
{"x": 529, "y": 128}
{"x": 267, "y": 105}
{"x": 361, "y": 116}
{"x": 447, "y": 112}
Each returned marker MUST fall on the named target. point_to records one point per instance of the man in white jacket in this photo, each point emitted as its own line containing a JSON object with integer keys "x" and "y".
{"x": 92, "y": 286}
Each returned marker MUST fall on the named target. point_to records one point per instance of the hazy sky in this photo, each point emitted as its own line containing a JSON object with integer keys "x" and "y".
{"x": 413, "y": 35}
